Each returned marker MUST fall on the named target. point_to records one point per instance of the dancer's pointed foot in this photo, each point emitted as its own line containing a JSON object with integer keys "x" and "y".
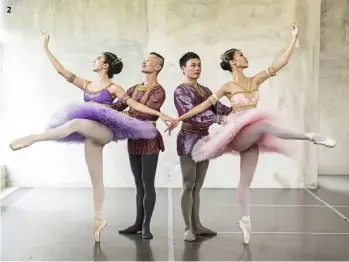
{"x": 246, "y": 228}
{"x": 22, "y": 143}
{"x": 203, "y": 231}
{"x": 134, "y": 229}
{"x": 318, "y": 139}
{"x": 99, "y": 224}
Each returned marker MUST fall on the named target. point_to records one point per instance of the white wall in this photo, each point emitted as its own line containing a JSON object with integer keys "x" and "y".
{"x": 131, "y": 29}
{"x": 334, "y": 85}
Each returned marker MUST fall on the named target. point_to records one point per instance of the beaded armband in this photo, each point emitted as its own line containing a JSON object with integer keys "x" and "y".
{"x": 71, "y": 78}
{"x": 270, "y": 71}
{"x": 213, "y": 99}
{"x": 125, "y": 97}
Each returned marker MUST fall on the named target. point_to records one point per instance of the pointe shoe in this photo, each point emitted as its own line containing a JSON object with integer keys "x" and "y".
{"x": 21, "y": 143}
{"x": 246, "y": 228}
{"x": 15, "y": 147}
{"x": 99, "y": 224}
{"x": 327, "y": 142}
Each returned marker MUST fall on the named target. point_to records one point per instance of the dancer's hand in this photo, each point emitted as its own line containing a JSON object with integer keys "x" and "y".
{"x": 172, "y": 126}
{"x": 295, "y": 29}
{"x": 166, "y": 119}
{"x": 46, "y": 35}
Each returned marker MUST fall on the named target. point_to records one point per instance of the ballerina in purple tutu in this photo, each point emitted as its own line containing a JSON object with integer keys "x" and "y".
{"x": 94, "y": 122}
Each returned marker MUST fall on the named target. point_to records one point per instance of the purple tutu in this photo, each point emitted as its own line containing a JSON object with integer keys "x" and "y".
{"x": 122, "y": 126}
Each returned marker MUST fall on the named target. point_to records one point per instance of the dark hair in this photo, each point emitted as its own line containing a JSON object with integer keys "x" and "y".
{"x": 226, "y": 57}
{"x": 186, "y": 57}
{"x": 162, "y": 59}
{"x": 114, "y": 62}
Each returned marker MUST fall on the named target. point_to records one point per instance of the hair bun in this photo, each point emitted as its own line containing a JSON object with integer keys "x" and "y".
{"x": 225, "y": 66}
{"x": 117, "y": 68}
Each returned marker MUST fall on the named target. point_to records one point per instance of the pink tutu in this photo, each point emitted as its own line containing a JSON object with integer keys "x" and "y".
{"x": 220, "y": 143}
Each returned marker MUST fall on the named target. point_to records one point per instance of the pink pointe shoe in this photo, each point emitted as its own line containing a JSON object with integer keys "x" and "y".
{"x": 99, "y": 224}
{"x": 246, "y": 228}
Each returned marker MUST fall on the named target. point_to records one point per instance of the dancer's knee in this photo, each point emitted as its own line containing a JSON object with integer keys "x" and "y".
{"x": 242, "y": 186}
{"x": 264, "y": 127}
{"x": 148, "y": 179}
{"x": 188, "y": 185}
{"x": 196, "y": 190}
{"x": 149, "y": 188}
{"x": 140, "y": 190}
{"x": 139, "y": 184}
{"x": 97, "y": 183}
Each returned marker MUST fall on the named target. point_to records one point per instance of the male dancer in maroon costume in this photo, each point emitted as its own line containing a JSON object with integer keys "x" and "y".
{"x": 143, "y": 154}
{"x": 187, "y": 96}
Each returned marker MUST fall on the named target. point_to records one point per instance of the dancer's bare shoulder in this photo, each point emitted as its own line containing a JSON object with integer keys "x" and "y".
{"x": 116, "y": 90}
{"x": 228, "y": 86}
{"x": 229, "y": 89}
{"x": 221, "y": 91}
{"x": 115, "y": 87}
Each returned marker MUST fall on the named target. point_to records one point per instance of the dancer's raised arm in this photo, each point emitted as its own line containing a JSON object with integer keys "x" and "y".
{"x": 282, "y": 61}
{"x": 69, "y": 76}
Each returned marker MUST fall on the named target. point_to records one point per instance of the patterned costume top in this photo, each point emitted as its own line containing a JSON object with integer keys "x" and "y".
{"x": 186, "y": 97}
{"x": 152, "y": 97}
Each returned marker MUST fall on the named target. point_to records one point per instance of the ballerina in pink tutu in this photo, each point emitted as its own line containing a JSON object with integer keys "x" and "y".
{"x": 94, "y": 123}
{"x": 247, "y": 130}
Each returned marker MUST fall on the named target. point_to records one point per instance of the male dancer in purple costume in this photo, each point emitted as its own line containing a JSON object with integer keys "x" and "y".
{"x": 144, "y": 153}
{"x": 187, "y": 96}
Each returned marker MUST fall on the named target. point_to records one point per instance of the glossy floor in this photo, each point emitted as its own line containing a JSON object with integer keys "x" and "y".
{"x": 288, "y": 224}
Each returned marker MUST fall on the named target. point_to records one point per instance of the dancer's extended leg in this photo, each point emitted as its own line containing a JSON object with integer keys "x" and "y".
{"x": 248, "y": 164}
{"x": 87, "y": 128}
{"x": 94, "y": 161}
{"x": 253, "y": 133}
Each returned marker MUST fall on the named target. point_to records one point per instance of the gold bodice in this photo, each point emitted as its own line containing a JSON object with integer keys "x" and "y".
{"x": 243, "y": 98}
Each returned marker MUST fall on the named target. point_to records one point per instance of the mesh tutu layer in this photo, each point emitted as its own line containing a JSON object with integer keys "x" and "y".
{"x": 121, "y": 126}
{"x": 220, "y": 143}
